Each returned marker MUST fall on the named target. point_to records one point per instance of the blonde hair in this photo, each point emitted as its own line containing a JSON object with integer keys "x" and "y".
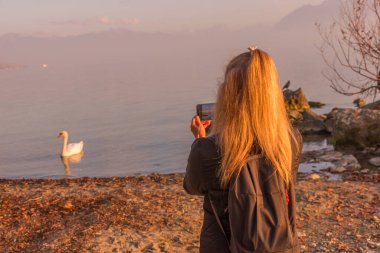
{"x": 250, "y": 110}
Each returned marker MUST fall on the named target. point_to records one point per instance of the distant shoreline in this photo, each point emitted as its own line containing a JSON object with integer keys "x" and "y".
{"x": 10, "y": 66}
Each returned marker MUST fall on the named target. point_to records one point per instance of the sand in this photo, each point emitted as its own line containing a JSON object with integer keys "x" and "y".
{"x": 153, "y": 214}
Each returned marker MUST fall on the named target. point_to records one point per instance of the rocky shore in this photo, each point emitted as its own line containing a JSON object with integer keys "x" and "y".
{"x": 357, "y": 127}
{"x": 153, "y": 214}
{"x": 342, "y": 165}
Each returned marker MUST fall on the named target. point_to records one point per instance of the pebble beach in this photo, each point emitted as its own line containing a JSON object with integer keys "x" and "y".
{"x": 153, "y": 213}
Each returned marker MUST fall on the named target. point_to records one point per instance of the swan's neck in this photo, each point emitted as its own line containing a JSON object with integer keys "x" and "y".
{"x": 64, "y": 145}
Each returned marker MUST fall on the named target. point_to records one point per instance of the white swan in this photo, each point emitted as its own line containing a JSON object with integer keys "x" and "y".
{"x": 72, "y": 148}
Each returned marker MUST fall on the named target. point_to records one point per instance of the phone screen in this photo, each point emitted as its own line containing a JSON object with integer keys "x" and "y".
{"x": 206, "y": 111}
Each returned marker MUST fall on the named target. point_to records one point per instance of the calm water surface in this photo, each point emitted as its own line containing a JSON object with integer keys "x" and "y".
{"x": 131, "y": 122}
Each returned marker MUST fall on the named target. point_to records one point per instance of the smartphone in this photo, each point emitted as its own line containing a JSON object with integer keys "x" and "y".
{"x": 206, "y": 111}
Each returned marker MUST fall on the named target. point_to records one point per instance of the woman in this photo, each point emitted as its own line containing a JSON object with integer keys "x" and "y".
{"x": 250, "y": 118}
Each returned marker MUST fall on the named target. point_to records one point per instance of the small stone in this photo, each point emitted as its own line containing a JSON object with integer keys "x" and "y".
{"x": 364, "y": 171}
{"x": 337, "y": 169}
{"x": 189, "y": 249}
{"x": 301, "y": 233}
{"x": 331, "y": 156}
{"x": 149, "y": 248}
{"x": 314, "y": 176}
{"x": 350, "y": 159}
{"x": 68, "y": 206}
{"x": 354, "y": 166}
{"x": 111, "y": 240}
{"x": 339, "y": 218}
{"x": 135, "y": 244}
{"x": 176, "y": 239}
{"x": 163, "y": 246}
{"x": 370, "y": 149}
{"x": 341, "y": 163}
{"x": 375, "y": 161}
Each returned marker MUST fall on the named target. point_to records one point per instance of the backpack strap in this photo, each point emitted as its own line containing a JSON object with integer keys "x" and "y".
{"x": 219, "y": 222}
{"x": 254, "y": 173}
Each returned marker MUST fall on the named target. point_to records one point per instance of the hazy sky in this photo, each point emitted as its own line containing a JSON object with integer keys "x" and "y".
{"x": 64, "y": 17}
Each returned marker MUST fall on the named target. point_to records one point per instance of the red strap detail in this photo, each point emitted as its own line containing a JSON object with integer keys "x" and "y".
{"x": 287, "y": 198}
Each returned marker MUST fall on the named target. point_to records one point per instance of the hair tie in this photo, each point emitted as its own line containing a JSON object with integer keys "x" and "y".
{"x": 252, "y": 49}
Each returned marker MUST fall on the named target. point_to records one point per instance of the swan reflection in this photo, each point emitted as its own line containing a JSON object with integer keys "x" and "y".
{"x": 66, "y": 160}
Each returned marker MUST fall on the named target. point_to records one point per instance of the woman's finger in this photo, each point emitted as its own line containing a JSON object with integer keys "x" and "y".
{"x": 198, "y": 120}
{"x": 193, "y": 121}
{"x": 206, "y": 123}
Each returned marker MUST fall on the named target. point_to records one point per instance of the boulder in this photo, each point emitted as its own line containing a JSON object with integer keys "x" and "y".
{"x": 299, "y": 112}
{"x": 295, "y": 100}
{"x": 316, "y": 104}
{"x": 353, "y": 166}
{"x": 349, "y": 159}
{"x": 374, "y": 106}
{"x": 357, "y": 127}
{"x": 375, "y": 161}
{"x": 349, "y": 162}
{"x": 294, "y": 115}
{"x": 311, "y": 123}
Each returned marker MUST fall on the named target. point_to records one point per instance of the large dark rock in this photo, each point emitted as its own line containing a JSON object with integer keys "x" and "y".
{"x": 316, "y": 104}
{"x": 299, "y": 112}
{"x": 295, "y": 115}
{"x": 374, "y": 106}
{"x": 311, "y": 123}
{"x": 357, "y": 127}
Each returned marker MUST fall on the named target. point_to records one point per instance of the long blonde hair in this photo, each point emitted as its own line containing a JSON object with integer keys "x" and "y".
{"x": 250, "y": 110}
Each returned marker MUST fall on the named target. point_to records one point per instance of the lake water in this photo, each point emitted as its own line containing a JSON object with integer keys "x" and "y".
{"x": 131, "y": 123}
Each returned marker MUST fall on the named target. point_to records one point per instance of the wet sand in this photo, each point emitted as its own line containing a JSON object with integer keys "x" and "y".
{"x": 153, "y": 214}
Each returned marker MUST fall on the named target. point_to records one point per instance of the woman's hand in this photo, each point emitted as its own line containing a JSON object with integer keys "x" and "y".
{"x": 198, "y": 127}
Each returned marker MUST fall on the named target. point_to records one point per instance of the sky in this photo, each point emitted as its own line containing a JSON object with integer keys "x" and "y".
{"x": 70, "y": 17}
